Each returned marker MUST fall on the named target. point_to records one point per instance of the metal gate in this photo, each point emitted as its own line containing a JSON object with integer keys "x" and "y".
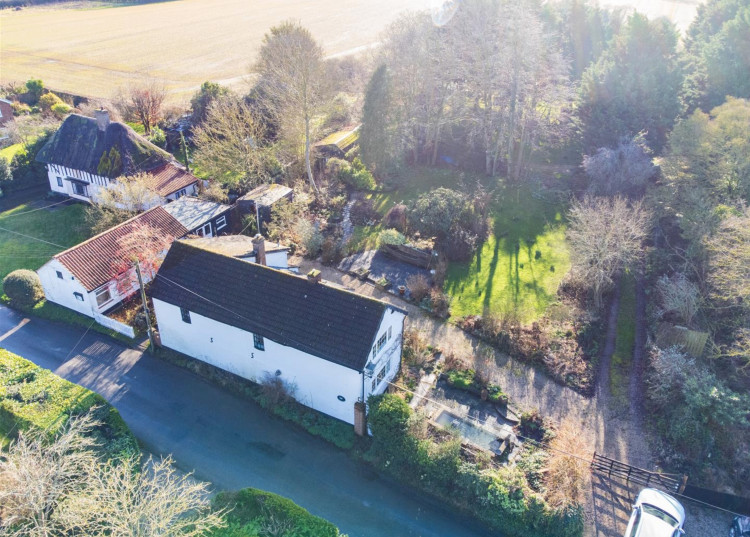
{"x": 605, "y": 466}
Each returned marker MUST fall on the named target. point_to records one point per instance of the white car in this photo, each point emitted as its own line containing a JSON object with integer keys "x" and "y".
{"x": 656, "y": 514}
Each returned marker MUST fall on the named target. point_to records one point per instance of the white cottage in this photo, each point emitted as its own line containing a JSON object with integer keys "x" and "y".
{"x": 331, "y": 347}
{"x": 85, "y": 277}
{"x": 86, "y": 155}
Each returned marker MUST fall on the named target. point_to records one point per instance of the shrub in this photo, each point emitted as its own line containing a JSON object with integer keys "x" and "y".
{"x": 396, "y": 218}
{"x": 390, "y": 236}
{"x": 47, "y": 101}
{"x": 354, "y": 175}
{"x": 460, "y": 245}
{"x": 268, "y": 514}
{"x": 34, "y": 88}
{"x": 20, "y": 109}
{"x": 23, "y": 287}
{"x": 158, "y": 137}
{"x": 363, "y": 212}
{"x": 418, "y": 286}
{"x": 331, "y": 251}
{"x": 310, "y": 236}
{"x": 60, "y": 110}
{"x": 440, "y": 303}
{"x": 531, "y": 425}
{"x": 436, "y": 212}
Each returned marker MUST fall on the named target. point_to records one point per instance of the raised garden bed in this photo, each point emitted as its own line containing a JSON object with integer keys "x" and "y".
{"x": 466, "y": 379}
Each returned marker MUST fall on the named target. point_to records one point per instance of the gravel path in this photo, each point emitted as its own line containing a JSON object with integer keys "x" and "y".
{"x": 603, "y": 428}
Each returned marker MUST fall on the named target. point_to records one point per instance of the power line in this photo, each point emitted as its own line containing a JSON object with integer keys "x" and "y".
{"x": 33, "y": 238}
{"x": 33, "y": 210}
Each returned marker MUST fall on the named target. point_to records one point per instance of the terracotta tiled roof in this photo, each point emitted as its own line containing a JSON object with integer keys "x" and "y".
{"x": 94, "y": 261}
{"x": 169, "y": 178}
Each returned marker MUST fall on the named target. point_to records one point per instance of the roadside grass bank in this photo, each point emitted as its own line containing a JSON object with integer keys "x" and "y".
{"x": 32, "y": 397}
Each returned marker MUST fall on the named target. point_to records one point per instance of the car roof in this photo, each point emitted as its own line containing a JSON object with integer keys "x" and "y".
{"x": 665, "y": 502}
{"x": 652, "y": 526}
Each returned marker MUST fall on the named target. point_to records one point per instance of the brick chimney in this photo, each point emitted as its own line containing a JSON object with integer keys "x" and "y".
{"x": 102, "y": 119}
{"x": 259, "y": 248}
{"x": 314, "y": 276}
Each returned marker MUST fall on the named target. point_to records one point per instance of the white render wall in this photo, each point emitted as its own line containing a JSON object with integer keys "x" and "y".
{"x": 96, "y": 182}
{"x": 62, "y": 291}
{"x": 318, "y": 382}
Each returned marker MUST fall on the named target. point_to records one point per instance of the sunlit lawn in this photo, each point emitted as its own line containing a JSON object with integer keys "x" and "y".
{"x": 622, "y": 358}
{"x": 62, "y": 226}
{"x": 519, "y": 268}
{"x": 9, "y": 152}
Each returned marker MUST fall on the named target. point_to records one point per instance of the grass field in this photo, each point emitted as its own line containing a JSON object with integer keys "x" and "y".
{"x": 181, "y": 43}
{"x": 520, "y": 266}
{"x": 9, "y": 152}
{"x": 60, "y": 225}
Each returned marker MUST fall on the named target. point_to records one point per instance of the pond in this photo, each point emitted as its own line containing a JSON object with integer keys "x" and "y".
{"x": 473, "y": 433}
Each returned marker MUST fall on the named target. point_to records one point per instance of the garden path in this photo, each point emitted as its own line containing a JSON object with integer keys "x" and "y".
{"x": 605, "y": 427}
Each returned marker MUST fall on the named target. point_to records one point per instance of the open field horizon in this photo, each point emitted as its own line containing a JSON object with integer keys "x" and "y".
{"x": 94, "y": 51}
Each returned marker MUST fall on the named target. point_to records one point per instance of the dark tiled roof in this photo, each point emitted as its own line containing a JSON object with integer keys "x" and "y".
{"x": 169, "y": 178}
{"x": 96, "y": 261}
{"x": 79, "y": 144}
{"x": 330, "y": 323}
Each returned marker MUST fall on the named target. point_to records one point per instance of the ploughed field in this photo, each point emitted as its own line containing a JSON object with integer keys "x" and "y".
{"x": 94, "y": 51}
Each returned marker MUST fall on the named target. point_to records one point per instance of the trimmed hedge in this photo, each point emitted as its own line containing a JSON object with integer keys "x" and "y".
{"x": 501, "y": 499}
{"x": 23, "y": 287}
{"x": 250, "y": 508}
{"x": 32, "y": 397}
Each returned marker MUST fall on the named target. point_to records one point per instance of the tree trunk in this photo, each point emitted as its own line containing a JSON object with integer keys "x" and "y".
{"x": 307, "y": 156}
{"x": 435, "y": 144}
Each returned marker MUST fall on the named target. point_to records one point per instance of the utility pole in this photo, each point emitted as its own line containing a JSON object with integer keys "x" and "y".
{"x": 184, "y": 150}
{"x": 145, "y": 306}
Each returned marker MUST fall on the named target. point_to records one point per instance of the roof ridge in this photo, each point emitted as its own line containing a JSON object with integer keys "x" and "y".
{"x": 285, "y": 273}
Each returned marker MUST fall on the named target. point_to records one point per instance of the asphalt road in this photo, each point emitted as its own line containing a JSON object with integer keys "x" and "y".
{"x": 226, "y": 440}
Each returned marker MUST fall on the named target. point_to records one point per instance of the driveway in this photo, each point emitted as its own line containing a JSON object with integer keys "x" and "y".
{"x": 226, "y": 440}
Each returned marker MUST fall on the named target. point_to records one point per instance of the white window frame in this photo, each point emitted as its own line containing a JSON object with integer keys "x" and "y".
{"x": 101, "y": 292}
{"x": 221, "y": 222}
{"x": 201, "y": 231}
{"x": 59, "y": 181}
{"x": 83, "y": 188}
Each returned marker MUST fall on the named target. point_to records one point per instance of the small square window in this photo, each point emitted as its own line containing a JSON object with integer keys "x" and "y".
{"x": 59, "y": 274}
{"x": 78, "y": 296}
{"x": 221, "y": 223}
{"x": 258, "y": 342}
{"x": 59, "y": 181}
{"x": 185, "y": 315}
{"x": 103, "y": 296}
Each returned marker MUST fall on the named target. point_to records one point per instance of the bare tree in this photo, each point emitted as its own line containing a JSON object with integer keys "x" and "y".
{"x": 293, "y": 75}
{"x": 143, "y": 102}
{"x": 132, "y": 194}
{"x": 231, "y": 144}
{"x": 37, "y": 475}
{"x": 144, "y": 245}
{"x": 130, "y": 499}
{"x": 606, "y": 237}
{"x": 621, "y": 169}
{"x": 678, "y": 294}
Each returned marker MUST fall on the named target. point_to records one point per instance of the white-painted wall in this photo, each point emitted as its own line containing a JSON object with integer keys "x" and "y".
{"x": 318, "y": 382}
{"x": 62, "y": 290}
{"x": 191, "y": 190}
{"x": 389, "y": 356}
{"x": 96, "y": 182}
{"x": 277, "y": 259}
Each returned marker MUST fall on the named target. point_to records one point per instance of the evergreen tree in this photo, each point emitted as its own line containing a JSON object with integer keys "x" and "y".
{"x": 633, "y": 87}
{"x": 376, "y": 141}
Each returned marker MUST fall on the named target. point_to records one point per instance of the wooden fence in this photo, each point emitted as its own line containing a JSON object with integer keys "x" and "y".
{"x": 602, "y": 465}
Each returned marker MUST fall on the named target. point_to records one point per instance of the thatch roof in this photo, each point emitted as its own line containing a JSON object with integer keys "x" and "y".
{"x": 79, "y": 144}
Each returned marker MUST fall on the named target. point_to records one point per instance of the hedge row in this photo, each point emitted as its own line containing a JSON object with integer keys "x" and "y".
{"x": 502, "y": 499}
{"x": 32, "y": 397}
{"x": 251, "y": 511}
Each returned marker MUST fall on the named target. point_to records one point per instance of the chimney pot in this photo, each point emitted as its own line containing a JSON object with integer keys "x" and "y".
{"x": 314, "y": 276}
{"x": 259, "y": 247}
{"x": 102, "y": 119}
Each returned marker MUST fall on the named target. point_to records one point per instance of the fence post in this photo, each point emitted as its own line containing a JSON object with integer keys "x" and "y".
{"x": 683, "y": 484}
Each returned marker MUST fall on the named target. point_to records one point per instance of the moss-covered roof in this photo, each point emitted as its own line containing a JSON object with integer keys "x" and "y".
{"x": 79, "y": 144}
{"x": 343, "y": 139}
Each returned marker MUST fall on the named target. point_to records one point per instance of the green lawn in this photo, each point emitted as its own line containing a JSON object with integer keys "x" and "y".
{"x": 9, "y": 152}
{"x": 519, "y": 268}
{"x": 62, "y": 225}
{"x": 622, "y": 358}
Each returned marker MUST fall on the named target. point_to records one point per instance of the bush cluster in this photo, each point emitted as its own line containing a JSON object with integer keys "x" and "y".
{"x": 468, "y": 380}
{"x": 390, "y": 237}
{"x": 354, "y": 175}
{"x": 501, "y": 499}
{"x": 23, "y": 287}
{"x": 253, "y": 512}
